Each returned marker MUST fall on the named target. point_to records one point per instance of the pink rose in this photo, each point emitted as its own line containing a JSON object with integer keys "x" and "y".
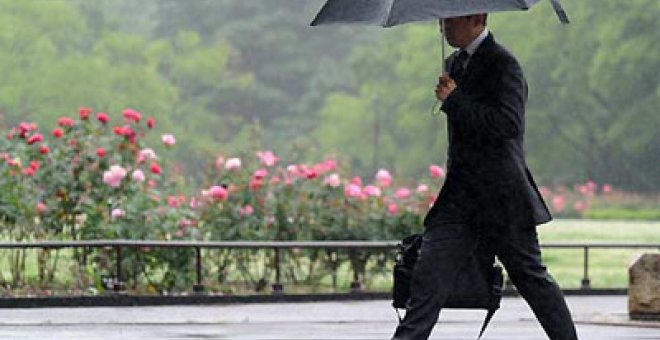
{"x": 146, "y": 155}
{"x": 558, "y": 203}
{"x": 607, "y": 188}
{"x": 29, "y": 172}
{"x": 332, "y": 180}
{"x": 151, "y": 122}
{"x": 138, "y": 176}
{"x": 44, "y": 150}
{"x": 580, "y": 207}
{"x": 35, "y": 165}
{"x": 155, "y": 169}
{"x": 84, "y": 113}
{"x": 353, "y": 190}
{"x": 41, "y": 208}
{"x": 100, "y": 152}
{"x": 372, "y": 190}
{"x": 402, "y": 193}
{"x": 588, "y": 189}
{"x": 117, "y": 213}
{"x": 102, "y": 117}
{"x": 173, "y": 201}
{"x": 247, "y": 210}
{"x": 330, "y": 165}
{"x": 311, "y": 173}
{"x": 436, "y": 171}
{"x": 233, "y": 164}
{"x": 36, "y": 138}
{"x": 168, "y": 140}
{"x": 422, "y": 188}
{"x": 260, "y": 174}
{"x": 356, "y": 180}
{"x": 293, "y": 170}
{"x": 392, "y": 209}
{"x": 114, "y": 176}
{"x": 13, "y": 161}
{"x": 256, "y": 183}
{"x": 131, "y": 115}
{"x": 24, "y": 128}
{"x": 384, "y": 178}
{"x": 187, "y": 223}
{"x": 125, "y": 131}
{"x": 592, "y": 185}
{"x": 216, "y": 192}
{"x": 545, "y": 191}
{"x": 267, "y": 158}
{"x": 57, "y": 132}
{"x": 275, "y": 180}
{"x": 194, "y": 203}
{"x": 65, "y": 122}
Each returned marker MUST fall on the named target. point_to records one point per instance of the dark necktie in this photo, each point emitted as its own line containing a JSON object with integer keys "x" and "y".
{"x": 458, "y": 68}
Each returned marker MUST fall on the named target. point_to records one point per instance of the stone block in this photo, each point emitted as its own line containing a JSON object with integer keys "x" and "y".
{"x": 644, "y": 288}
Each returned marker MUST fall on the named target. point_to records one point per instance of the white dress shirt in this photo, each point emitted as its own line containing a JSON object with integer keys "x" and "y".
{"x": 472, "y": 47}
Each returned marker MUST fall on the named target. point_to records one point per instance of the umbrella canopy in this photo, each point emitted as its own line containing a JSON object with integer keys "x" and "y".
{"x": 389, "y": 13}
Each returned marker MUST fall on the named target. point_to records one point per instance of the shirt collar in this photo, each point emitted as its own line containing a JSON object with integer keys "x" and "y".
{"x": 472, "y": 47}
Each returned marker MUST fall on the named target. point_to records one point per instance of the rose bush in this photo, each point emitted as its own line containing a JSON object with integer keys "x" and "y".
{"x": 95, "y": 177}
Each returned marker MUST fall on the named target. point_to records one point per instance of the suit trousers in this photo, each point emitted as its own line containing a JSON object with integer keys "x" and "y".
{"x": 448, "y": 242}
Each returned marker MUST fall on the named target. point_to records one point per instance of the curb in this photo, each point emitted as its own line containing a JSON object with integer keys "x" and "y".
{"x": 125, "y": 300}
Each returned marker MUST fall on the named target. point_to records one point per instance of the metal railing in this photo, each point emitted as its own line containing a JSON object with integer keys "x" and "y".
{"x": 277, "y": 247}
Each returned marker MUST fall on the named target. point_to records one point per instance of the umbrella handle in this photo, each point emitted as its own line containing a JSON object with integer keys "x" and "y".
{"x": 442, "y": 42}
{"x": 434, "y": 110}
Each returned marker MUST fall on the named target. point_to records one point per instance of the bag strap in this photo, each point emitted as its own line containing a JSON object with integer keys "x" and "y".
{"x": 398, "y": 315}
{"x": 489, "y": 316}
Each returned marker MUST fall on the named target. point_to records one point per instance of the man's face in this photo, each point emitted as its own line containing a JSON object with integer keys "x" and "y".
{"x": 460, "y": 31}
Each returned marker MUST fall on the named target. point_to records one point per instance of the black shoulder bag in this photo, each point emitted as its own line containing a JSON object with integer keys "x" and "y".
{"x": 477, "y": 286}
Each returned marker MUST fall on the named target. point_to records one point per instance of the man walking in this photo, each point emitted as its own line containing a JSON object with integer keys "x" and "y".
{"x": 489, "y": 201}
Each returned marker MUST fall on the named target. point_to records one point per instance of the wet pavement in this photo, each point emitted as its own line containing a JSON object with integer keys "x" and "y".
{"x": 598, "y": 317}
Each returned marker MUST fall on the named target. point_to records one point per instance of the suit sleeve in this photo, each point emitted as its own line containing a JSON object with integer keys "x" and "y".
{"x": 500, "y": 117}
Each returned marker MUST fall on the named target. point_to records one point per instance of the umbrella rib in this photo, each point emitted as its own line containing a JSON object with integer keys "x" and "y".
{"x": 524, "y": 5}
{"x": 561, "y": 14}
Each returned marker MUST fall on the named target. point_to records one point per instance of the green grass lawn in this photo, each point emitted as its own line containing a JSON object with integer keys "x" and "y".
{"x": 599, "y": 231}
{"x": 607, "y": 267}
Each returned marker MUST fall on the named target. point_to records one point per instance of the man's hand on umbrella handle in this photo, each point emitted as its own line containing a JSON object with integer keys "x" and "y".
{"x": 445, "y": 87}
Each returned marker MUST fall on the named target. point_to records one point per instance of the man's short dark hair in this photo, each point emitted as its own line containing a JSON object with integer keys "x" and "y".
{"x": 484, "y": 16}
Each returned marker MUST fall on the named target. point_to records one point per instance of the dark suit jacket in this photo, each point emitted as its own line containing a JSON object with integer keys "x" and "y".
{"x": 488, "y": 181}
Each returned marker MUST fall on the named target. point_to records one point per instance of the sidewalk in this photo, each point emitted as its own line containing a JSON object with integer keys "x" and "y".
{"x": 327, "y": 320}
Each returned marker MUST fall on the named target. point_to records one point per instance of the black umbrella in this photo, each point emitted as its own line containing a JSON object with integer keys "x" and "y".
{"x": 389, "y": 13}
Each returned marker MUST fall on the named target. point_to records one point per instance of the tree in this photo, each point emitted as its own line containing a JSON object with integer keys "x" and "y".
{"x": 52, "y": 62}
{"x": 592, "y": 98}
{"x": 294, "y": 65}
